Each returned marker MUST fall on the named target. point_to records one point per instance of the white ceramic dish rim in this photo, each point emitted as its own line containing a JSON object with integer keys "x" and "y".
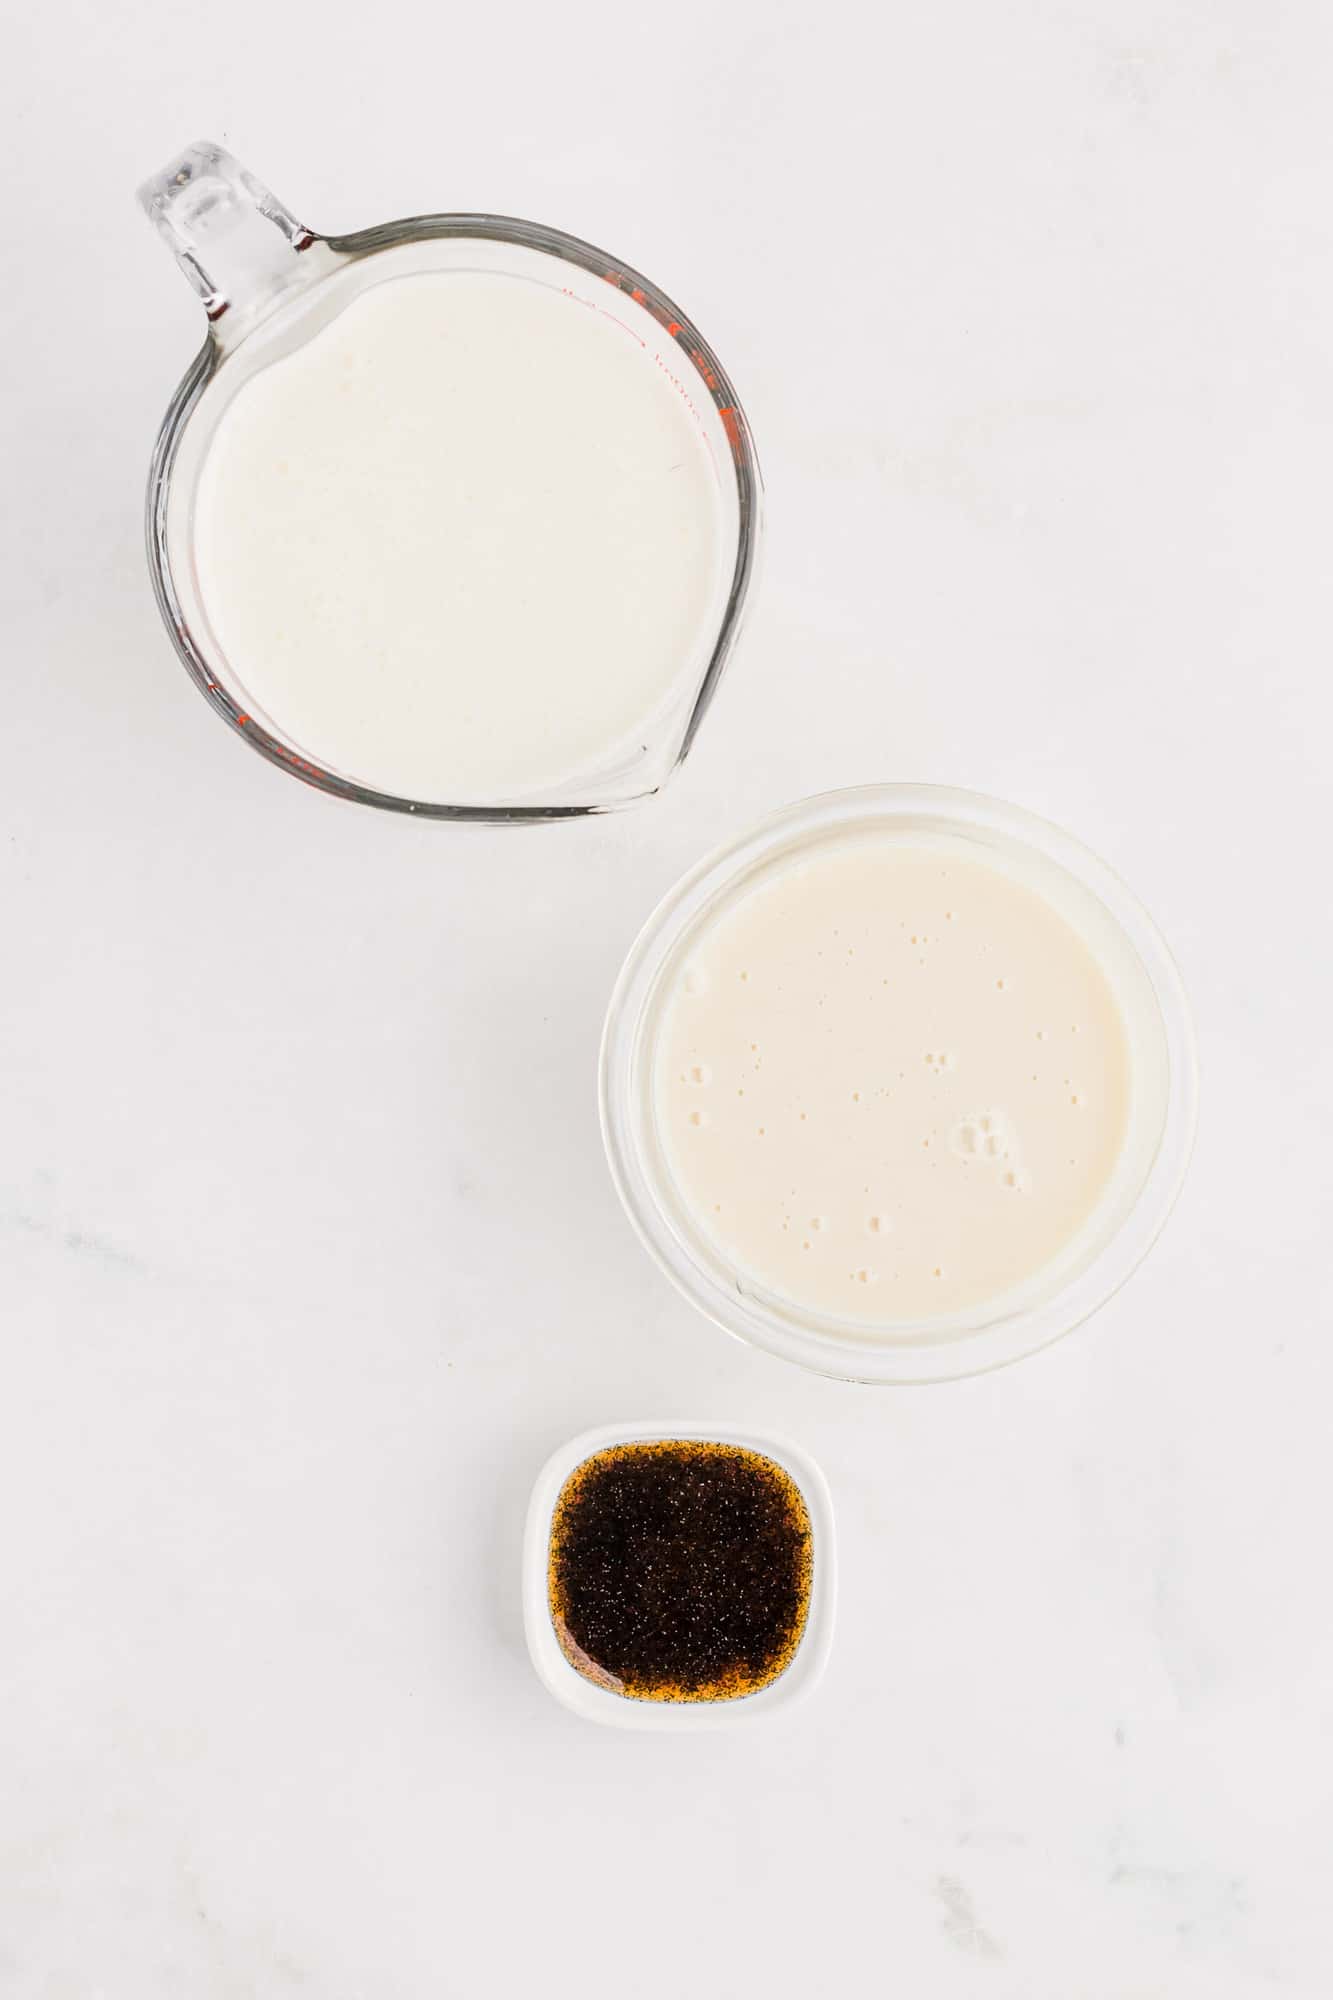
{"x": 740, "y": 1308}
{"x": 598, "y": 1704}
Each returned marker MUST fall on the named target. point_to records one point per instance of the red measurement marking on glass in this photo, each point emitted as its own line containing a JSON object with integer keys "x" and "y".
{"x": 700, "y": 360}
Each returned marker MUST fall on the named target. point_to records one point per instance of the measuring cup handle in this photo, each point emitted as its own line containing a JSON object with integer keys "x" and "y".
{"x": 239, "y": 247}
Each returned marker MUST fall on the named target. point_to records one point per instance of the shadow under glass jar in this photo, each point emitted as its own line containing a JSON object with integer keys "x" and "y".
{"x": 268, "y": 285}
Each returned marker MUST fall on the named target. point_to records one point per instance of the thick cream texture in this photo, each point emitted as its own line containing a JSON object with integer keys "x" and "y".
{"x": 891, "y": 1080}
{"x": 461, "y": 544}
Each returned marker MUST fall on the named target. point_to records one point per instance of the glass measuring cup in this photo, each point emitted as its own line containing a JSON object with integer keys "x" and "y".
{"x": 268, "y": 284}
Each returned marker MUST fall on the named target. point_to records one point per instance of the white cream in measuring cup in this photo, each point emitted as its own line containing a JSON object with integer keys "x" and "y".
{"x": 453, "y": 515}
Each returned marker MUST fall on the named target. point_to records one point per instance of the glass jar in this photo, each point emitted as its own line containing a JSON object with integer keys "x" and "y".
{"x": 1126, "y": 1220}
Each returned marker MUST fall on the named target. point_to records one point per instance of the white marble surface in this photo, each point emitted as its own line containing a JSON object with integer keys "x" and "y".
{"x": 309, "y": 1254}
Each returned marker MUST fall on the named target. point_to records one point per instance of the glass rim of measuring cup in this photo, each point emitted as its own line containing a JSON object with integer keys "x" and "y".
{"x": 1128, "y": 1217}
{"x": 246, "y": 255}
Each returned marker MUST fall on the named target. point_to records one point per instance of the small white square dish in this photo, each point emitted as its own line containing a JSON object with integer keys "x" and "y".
{"x": 598, "y": 1702}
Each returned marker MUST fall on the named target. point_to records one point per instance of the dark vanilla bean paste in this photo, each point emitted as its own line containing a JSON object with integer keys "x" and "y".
{"x": 680, "y": 1571}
